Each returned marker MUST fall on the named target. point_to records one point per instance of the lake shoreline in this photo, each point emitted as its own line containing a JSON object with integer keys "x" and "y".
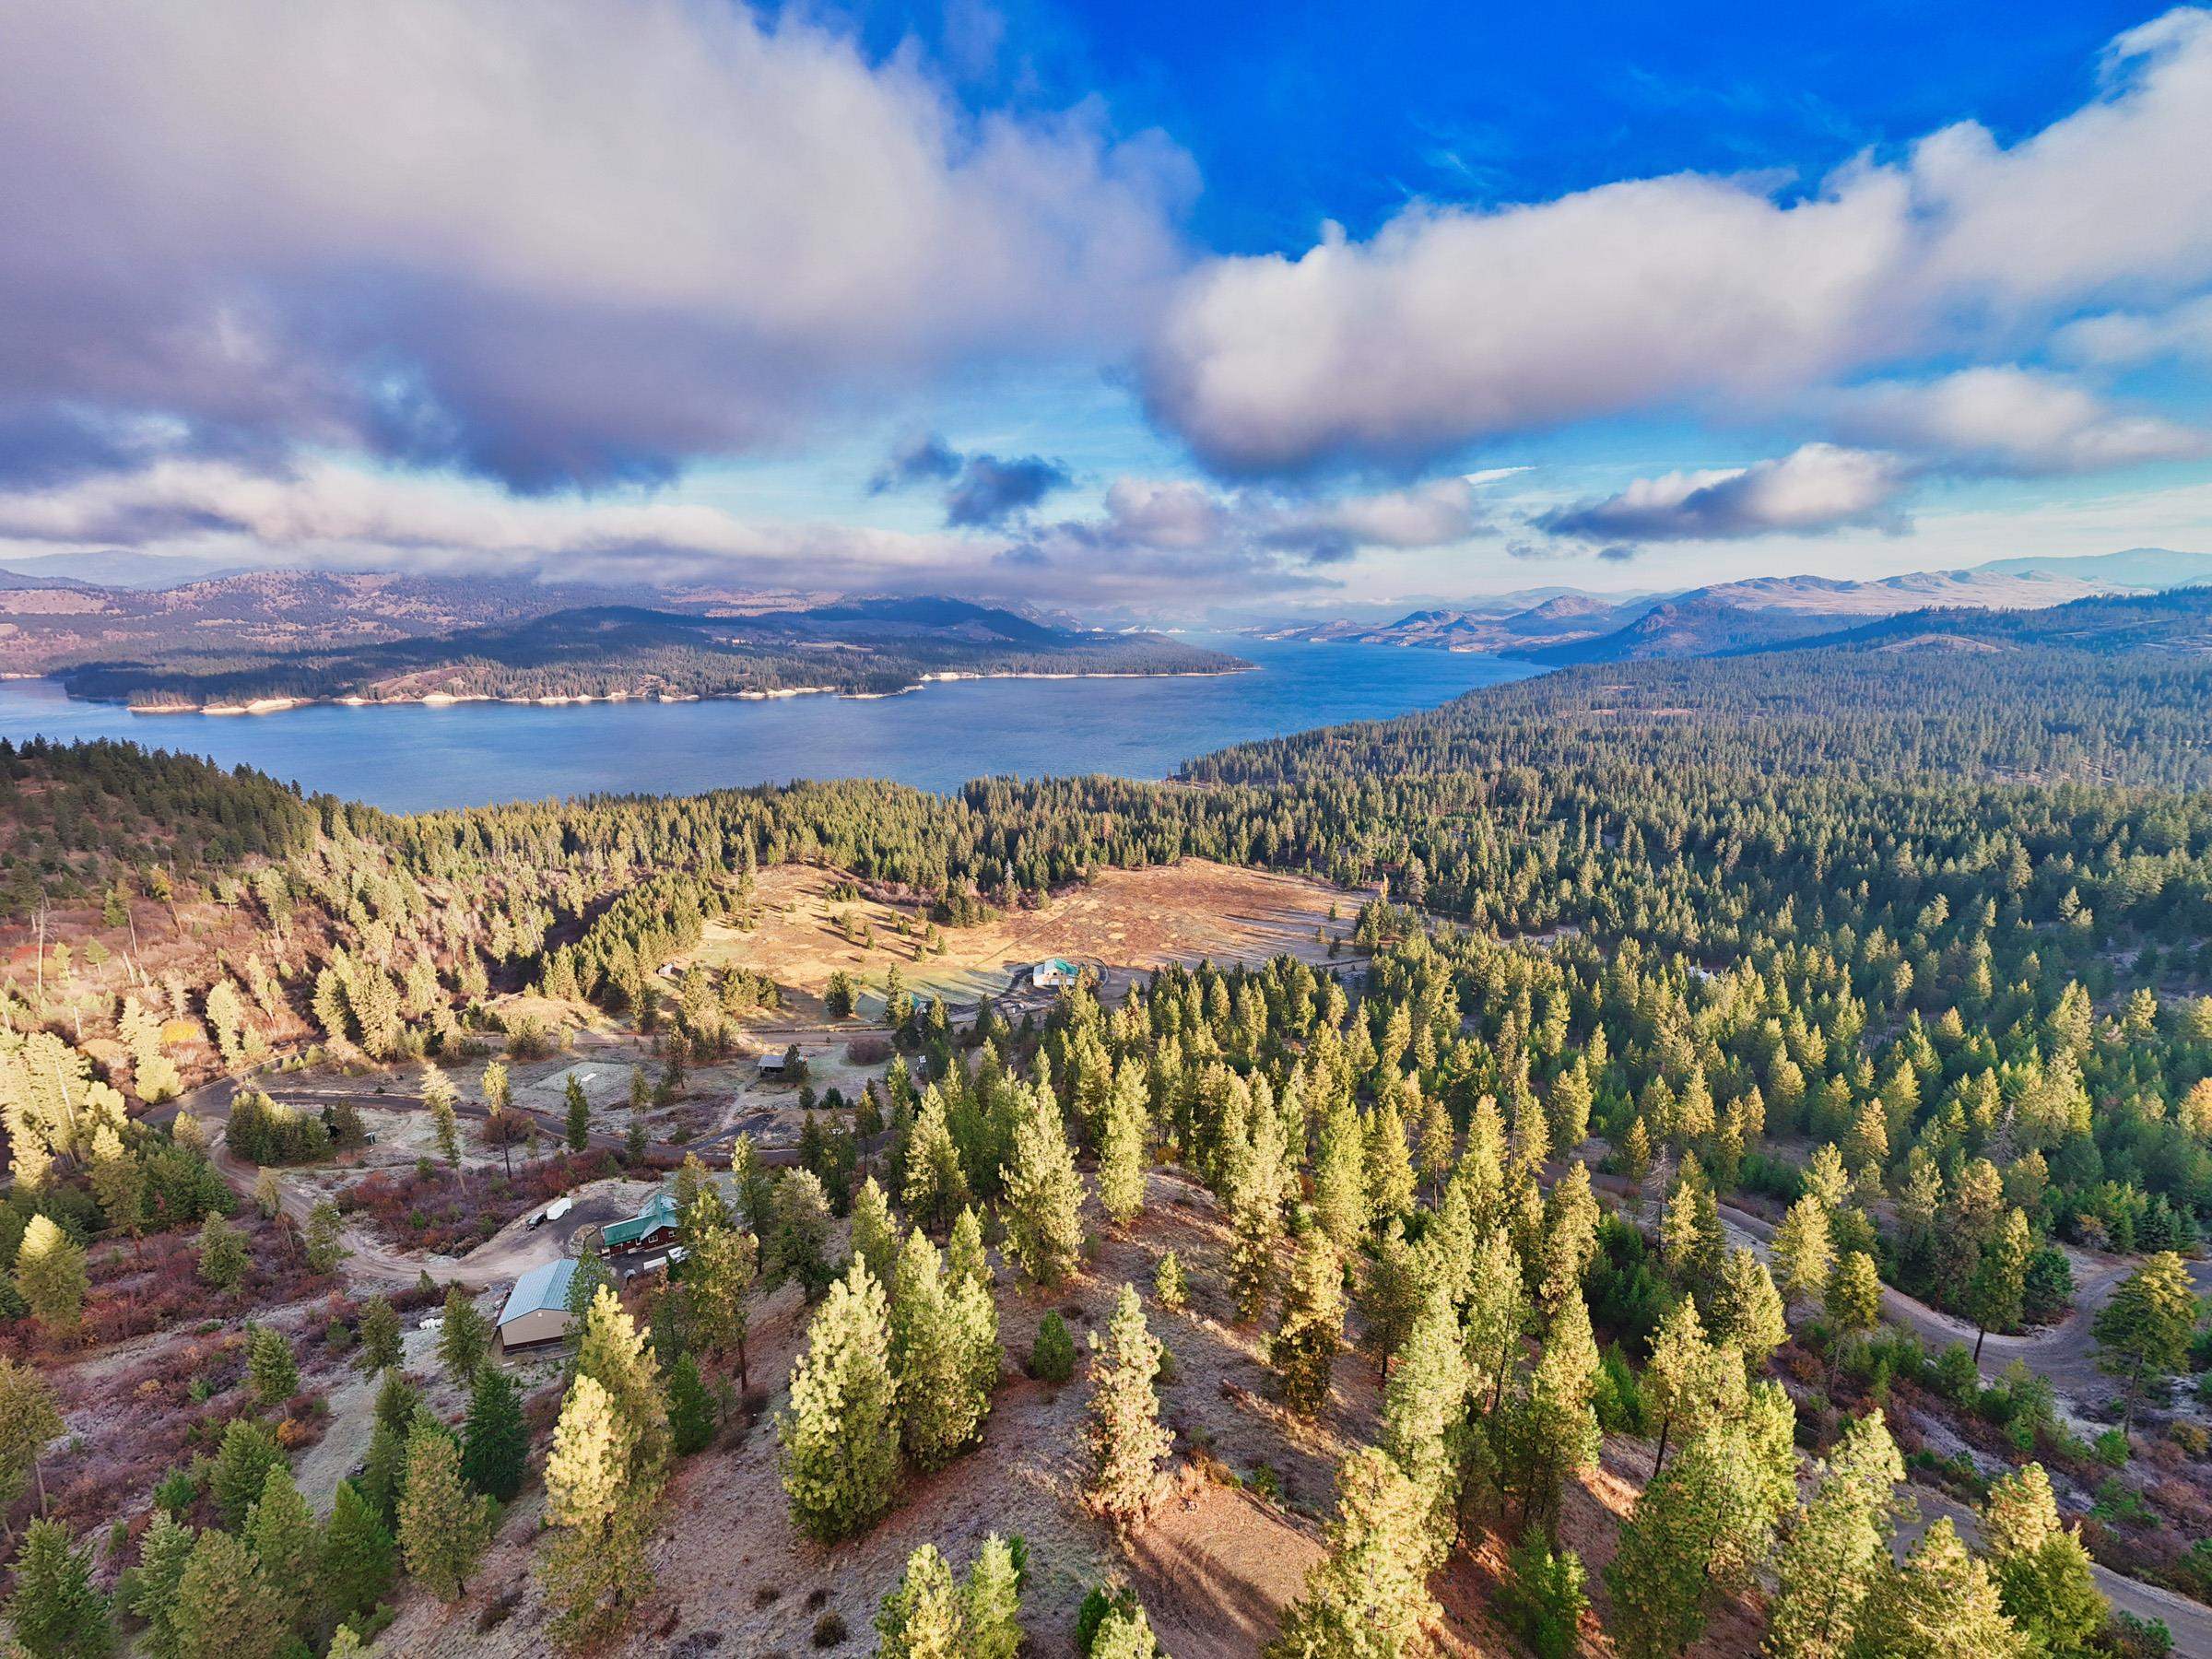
{"x": 439, "y": 700}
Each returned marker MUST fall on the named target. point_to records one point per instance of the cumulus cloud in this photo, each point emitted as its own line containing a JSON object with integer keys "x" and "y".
{"x": 553, "y": 242}
{"x": 2123, "y": 339}
{"x": 981, "y": 490}
{"x": 1452, "y": 326}
{"x": 1816, "y": 488}
{"x": 1175, "y": 530}
{"x": 2009, "y": 420}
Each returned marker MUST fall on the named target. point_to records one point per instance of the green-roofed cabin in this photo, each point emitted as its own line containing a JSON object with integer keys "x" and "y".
{"x": 652, "y": 1228}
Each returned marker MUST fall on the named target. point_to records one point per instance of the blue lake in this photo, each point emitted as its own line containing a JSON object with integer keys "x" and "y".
{"x": 410, "y": 759}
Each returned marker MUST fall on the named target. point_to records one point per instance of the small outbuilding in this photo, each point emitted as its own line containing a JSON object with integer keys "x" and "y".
{"x": 537, "y": 1310}
{"x": 775, "y": 1062}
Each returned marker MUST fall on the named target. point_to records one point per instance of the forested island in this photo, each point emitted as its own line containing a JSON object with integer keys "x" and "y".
{"x": 862, "y": 647}
{"x": 1738, "y": 1092}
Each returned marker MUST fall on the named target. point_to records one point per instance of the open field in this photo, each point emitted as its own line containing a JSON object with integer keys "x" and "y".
{"x": 1125, "y": 923}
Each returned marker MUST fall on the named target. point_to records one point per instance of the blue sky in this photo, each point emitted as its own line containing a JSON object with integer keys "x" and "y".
{"x": 1134, "y": 308}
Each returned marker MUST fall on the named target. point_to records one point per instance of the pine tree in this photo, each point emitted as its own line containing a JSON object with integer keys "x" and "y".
{"x": 56, "y": 1612}
{"x": 444, "y": 1526}
{"x": 324, "y": 1235}
{"x": 719, "y": 1275}
{"x": 1838, "y": 1549}
{"x": 1747, "y": 1315}
{"x": 495, "y": 1439}
{"x": 2043, "y": 1571}
{"x": 922, "y": 1619}
{"x": 242, "y": 1467}
{"x": 224, "y": 1258}
{"x": 798, "y": 1243}
{"x": 874, "y": 1233}
{"x": 270, "y": 1367}
{"x": 614, "y": 1352}
{"x": 1391, "y": 1293}
{"x": 1804, "y": 1251}
{"x": 150, "y": 1589}
{"x": 1168, "y": 1287}
{"x": 692, "y": 1414}
{"x": 383, "y": 1472}
{"x": 578, "y": 1115}
{"x": 1994, "y": 1294}
{"x": 1689, "y": 1382}
{"x": 50, "y": 1277}
{"x": 288, "y": 1546}
{"x": 1369, "y": 1597}
{"x": 1554, "y": 1430}
{"x": 464, "y": 1338}
{"x": 841, "y": 1432}
{"x": 1854, "y": 1302}
{"x": 965, "y": 1258}
{"x": 1340, "y": 1177}
{"x": 1122, "y": 1147}
{"x": 1310, "y": 1332}
{"x": 1689, "y": 1233}
{"x": 991, "y": 1601}
{"x": 356, "y": 1554}
{"x": 1128, "y": 1441}
{"x": 933, "y": 1358}
{"x": 1043, "y": 1197}
{"x": 1389, "y": 1160}
{"x": 593, "y": 1570}
{"x": 936, "y": 1184}
{"x": 1704, "y": 1526}
{"x": 2143, "y": 1332}
{"x": 28, "y": 1420}
{"x": 1940, "y": 1605}
{"x": 381, "y": 1338}
{"x": 1422, "y": 1407}
{"x": 225, "y": 1609}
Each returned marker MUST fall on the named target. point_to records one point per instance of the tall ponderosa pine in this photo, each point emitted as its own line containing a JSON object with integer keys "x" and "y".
{"x": 1370, "y": 1596}
{"x": 942, "y": 1391}
{"x": 1122, "y": 1147}
{"x": 1838, "y": 1550}
{"x": 56, "y": 1612}
{"x": 1552, "y": 1429}
{"x": 495, "y": 1440}
{"x": 841, "y": 1431}
{"x": 1941, "y": 1603}
{"x": 2143, "y": 1332}
{"x": 1804, "y": 1251}
{"x": 356, "y": 1554}
{"x": 1311, "y": 1333}
{"x": 225, "y": 1609}
{"x": 1043, "y": 1199}
{"x": 2042, "y": 1569}
{"x": 444, "y": 1526}
{"x": 1127, "y": 1440}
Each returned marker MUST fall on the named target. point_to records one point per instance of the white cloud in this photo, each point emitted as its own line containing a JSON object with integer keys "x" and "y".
{"x": 1452, "y": 326}
{"x": 1816, "y": 488}
{"x": 2009, "y": 420}
{"x": 2123, "y": 339}
{"x": 549, "y": 239}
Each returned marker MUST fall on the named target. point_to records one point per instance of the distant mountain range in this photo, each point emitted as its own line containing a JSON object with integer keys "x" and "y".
{"x": 1756, "y": 613}
{"x": 863, "y": 646}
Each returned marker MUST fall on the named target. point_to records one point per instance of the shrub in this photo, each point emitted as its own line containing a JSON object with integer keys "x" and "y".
{"x": 2110, "y": 1447}
{"x": 1052, "y": 1355}
{"x": 1619, "y": 1397}
{"x": 829, "y": 1629}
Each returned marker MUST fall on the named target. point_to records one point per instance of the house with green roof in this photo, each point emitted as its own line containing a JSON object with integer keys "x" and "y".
{"x": 652, "y": 1228}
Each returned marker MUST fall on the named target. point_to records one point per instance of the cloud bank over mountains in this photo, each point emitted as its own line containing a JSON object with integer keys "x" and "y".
{"x": 489, "y": 280}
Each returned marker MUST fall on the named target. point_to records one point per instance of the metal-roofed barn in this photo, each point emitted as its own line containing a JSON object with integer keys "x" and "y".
{"x": 537, "y": 1310}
